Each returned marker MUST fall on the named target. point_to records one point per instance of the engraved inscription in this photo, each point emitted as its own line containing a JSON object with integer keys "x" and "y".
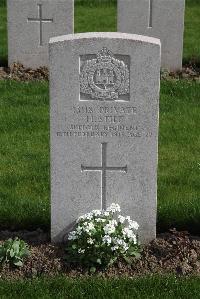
{"x": 40, "y": 20}
{"x": 103, "y": 121}
{"x": 103, "y": 169}
{"x": 104, "y": 78}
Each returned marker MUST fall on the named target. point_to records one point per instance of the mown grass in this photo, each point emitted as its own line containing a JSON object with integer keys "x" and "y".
{"x": 140, "y": 288}
{"x": 191, "y": 50}
{"x": 179, "y": 164}
{"x": 24, "y": 156}
{"x": 101, "y": 15}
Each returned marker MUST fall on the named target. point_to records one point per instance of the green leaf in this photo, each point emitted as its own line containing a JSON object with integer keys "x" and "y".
{"x": 16, "y": 246}
{"x": 93, "y": 269}
{"x": 99, "y": 261}
{"x": 12, "y": 253}
{"x": 112, "y": 261}
{"x": 128, "y": 260}
{"x": 18, "y": 263}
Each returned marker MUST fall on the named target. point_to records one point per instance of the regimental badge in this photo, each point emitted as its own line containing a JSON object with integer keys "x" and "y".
{"x": 105, "y": 77}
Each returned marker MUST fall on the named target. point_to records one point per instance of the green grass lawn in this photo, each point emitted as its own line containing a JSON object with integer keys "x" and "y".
{"x": 141, "y": 288}
{"x": 24, "y": 156}
{"x": 101, "y": 15}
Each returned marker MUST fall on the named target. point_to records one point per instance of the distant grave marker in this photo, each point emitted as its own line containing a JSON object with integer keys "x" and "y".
{"x": 31, "y": 23}
{"x": 163, "y": 19}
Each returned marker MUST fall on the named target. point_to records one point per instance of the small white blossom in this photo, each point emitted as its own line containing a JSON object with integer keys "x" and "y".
{"x": 100, "y": 220}
{"x": 81, "y": 250}
{"x": 121, "y": 218}
{"x": 72, "y": 236}
{"x": 106, "y": 213}
{"x": 112, "y": 222}
{"x": 96, "y": 212}
{"x": 109, "y": 229}
{"x": 88, "y": 228}
{"x": 90, "y": 241}
{"x": 114, "y": 208}
{"x": 133, "y": 225}
{"x": 126, "y": 247}
{"x": 79, "y": 230}
{"x": 87, "y": 216}
{"x": 114, "y": 248}
{"x": 106, "y": 239}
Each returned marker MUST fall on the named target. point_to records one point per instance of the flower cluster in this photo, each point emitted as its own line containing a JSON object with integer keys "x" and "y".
{"x": 101, "y": 237}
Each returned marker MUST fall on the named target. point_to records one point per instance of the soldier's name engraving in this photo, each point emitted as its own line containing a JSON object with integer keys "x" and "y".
{"x": 104, "y": 77}
{"x": 106, "y": 118}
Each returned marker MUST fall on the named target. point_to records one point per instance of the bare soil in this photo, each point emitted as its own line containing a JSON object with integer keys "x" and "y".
{"x": 19, "y": 73}
{"x": 172, "y": 252}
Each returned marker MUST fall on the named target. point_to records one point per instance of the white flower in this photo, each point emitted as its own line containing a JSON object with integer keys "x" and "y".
{"x": 90, "y": 241}
{"x": 79, "y": 230}
{"x": 72, "y": 236}
{"x": 121, "y": 218}
{"x": 81, "y": 250}
{"x": 134, "y": 239}
{"x": 121, "y": 243}
{"x": 128, "y": 233}
{"x": 87, "y": 216}
{"x": 113, "y": 208}
{"x": 106, "y": 213}
{"x": 126, "y": 247}
{"x": 96, "y": 212}
{"x": 128, "y": 218}
{"x": 112, "y": 222}
{"x": 106, "y": 239}
{"x": 109, "y": 229}
{"x": 100, "y": 220}
{"x": 133, "y": 225}
{"x": 88, "y": 227}
{"x": 114, "y": 248}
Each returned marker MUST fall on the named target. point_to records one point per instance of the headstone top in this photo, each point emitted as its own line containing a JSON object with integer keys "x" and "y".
{"x": 110, "y": 35}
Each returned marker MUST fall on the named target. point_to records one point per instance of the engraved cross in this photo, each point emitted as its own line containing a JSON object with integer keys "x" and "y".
{"x": 103, "y": 168}
{"x": 150, "y": 14}
{"x": 40, "y": 20}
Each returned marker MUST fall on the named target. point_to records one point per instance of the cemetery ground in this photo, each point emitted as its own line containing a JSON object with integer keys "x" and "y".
{"x": 25, "y": 182}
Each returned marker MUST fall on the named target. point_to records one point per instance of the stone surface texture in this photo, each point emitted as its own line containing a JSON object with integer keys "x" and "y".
{"x": 163, "y": 19}
{"x": 104, "y": 90}
{"x": 28, "y": 37}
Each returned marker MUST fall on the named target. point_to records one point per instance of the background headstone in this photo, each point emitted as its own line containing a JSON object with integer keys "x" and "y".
{"x": 104, "y": 91}
{"x": 31, "y": 23}
{"x": 163, "y": 19}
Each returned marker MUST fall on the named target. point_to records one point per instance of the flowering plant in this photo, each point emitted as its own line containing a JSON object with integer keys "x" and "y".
{"x": 102, "y": 237}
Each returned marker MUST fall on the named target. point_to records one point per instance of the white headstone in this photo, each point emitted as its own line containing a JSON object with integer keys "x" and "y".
{"x": 163, "y": 19}
{"x": 104, "y": 91}
{"x": 31, "y": 23}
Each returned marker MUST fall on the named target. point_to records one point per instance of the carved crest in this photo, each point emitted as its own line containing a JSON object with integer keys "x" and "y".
{"x": 104, "y": 78}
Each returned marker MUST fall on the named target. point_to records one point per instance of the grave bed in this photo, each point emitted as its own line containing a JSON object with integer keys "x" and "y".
{"x": 172, "y": 252}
